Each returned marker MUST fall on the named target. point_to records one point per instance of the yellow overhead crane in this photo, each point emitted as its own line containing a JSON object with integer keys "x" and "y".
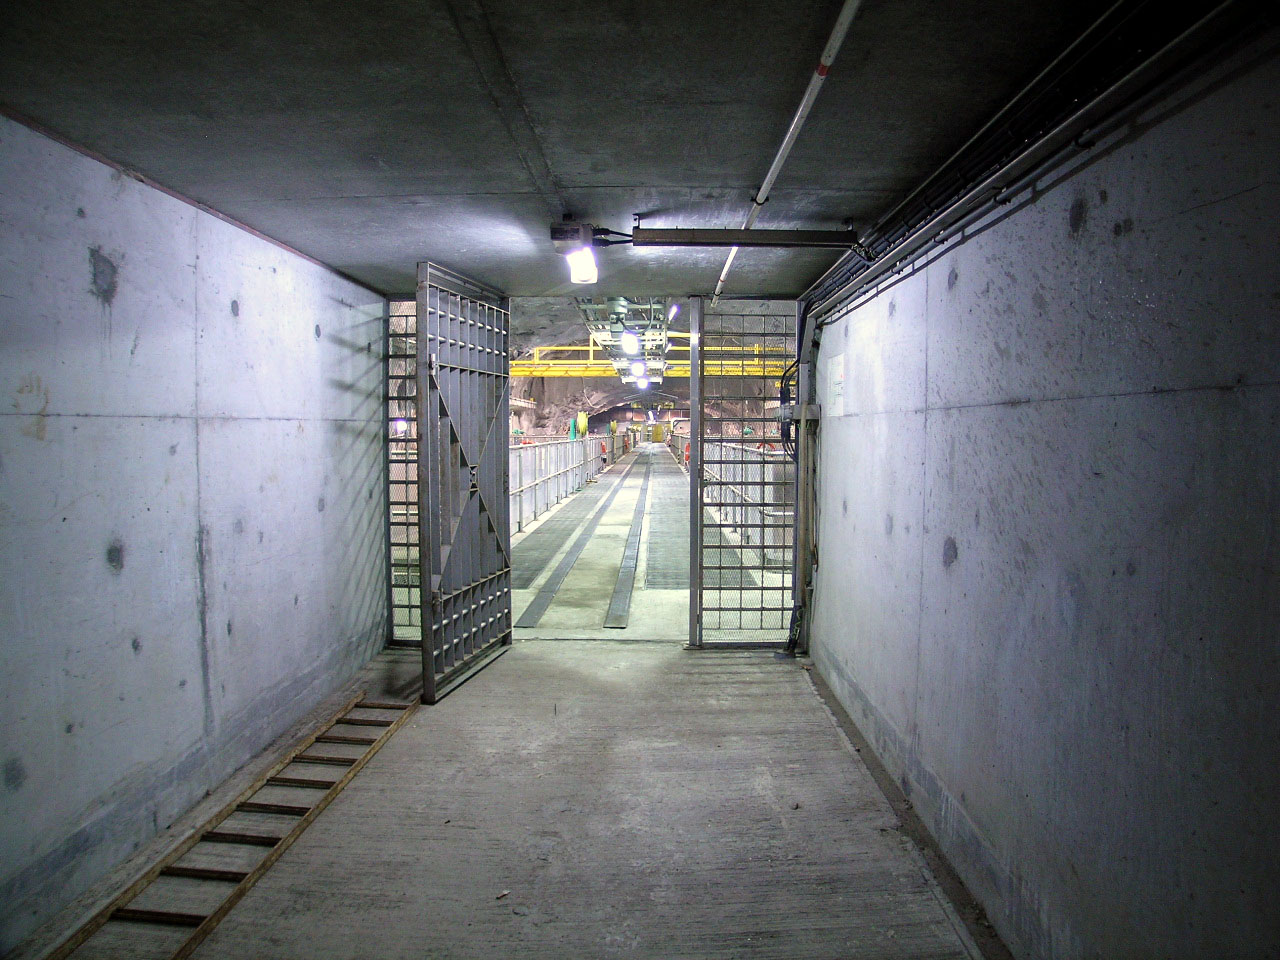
{"x": 590, "y": 360}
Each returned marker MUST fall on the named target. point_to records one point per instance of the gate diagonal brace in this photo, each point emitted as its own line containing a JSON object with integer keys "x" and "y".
{"x": 474, "y": 468}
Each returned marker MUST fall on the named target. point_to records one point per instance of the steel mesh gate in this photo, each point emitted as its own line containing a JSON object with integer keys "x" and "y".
{"x": 450, "y": 538}
{"x": 742, "y": 480}
{"x": 402, "y": 474}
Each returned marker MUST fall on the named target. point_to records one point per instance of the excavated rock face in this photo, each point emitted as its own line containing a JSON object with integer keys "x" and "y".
{"x": 556, "y": 321}
{"x": 559, "y": 399}
{"x": 544, "y": 322}
{"x": 553, "y": 321}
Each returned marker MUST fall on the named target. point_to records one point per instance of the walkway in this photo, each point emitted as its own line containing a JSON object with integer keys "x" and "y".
{"x": 610, "y": 561}
{"x": 596, "y": 799}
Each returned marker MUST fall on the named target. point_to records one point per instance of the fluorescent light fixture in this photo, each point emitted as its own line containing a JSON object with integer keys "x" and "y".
{"x": 642, "y": 383}
{"x": 671, "y": 314}
{"x": 637, "y": 368}
{"x": 629, "y": 341}
{"x": 582, "y": 265}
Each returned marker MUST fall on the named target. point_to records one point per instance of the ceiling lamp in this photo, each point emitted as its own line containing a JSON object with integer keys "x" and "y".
{"x": 582, "y": 265}
{"x": 637, "y": 368}
{"x": 642, "y": 383}
{"x": 629, "y": 342}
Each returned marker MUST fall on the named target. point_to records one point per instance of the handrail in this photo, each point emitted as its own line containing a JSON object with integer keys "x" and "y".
{"x": 543, "y": 473}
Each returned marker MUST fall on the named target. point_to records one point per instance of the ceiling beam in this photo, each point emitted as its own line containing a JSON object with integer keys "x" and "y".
{"x": 832, "y": 239}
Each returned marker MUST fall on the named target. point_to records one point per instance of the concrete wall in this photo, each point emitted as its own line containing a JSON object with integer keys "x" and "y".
{"x": 191, "y": 508}
{"x": 1050, "y": 516}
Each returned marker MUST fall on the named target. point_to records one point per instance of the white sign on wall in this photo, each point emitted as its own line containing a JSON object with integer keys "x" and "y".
{"x": 832, "y": 392}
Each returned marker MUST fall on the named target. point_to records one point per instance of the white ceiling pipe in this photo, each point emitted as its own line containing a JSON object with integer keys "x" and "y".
{"x": 847, "y": 13}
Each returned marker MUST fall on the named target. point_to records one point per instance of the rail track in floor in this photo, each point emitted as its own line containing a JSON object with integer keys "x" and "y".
{"x": 169, "y": 910}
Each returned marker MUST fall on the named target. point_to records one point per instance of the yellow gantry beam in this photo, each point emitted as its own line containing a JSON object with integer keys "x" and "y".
{"x": 588, "y": 360}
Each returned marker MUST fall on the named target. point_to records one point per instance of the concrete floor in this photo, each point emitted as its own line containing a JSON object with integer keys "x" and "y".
{"x": 591, "y": 799}
{"x": 581, "y": 604}
{"x": 587, "y": 798}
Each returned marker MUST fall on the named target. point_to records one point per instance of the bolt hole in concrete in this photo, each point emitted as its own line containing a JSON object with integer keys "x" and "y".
{"x": 950, "y": 551}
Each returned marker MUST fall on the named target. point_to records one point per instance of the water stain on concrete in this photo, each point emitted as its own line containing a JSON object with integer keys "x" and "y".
{"x": 31, "y": 390}
{"x": 115, "y": 556}
{"x": 239, "y": 526}
{"x": 950, "y": 552}
{"x": 317, "y": 331}
{"x": 1078, "y": 215}
{"x": 15, "y": 774}
{"x": 320, "y": 505}
{"x": 105, "y": 276}
{"x": 1123, "y": 227}
{"x": 80, "y": 212}
{"x": 228, "y": 628}
{"x": 952, "y": 279}
{"x": 235, "y": 308}
{"x": 888, "y": 524}
{"x": 136, "y": 643}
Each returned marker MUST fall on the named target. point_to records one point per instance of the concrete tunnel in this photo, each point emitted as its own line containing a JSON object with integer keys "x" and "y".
{"x": 484, "y": 479}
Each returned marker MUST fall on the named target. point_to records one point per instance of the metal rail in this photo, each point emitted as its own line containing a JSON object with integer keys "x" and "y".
{"x": 589, "y": 360}
{"x": 545, "y": 472}
{"x": 304, "y": 812}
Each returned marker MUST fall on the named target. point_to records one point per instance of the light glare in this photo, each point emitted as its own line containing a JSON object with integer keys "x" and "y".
{"x": 630, "y": 342}
{"x": 643, "y": 383}
{"x": 582, "y": 266}
{"x": 637, "y": 368}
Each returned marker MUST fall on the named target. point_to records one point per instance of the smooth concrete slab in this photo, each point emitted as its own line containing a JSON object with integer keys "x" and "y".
{"x": 192, "y": 504}
{"x": 592, "y": 799}
{"x": 1047, "y": 590}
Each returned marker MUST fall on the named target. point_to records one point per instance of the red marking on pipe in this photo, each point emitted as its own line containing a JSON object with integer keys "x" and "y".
{"x": 822, "y": 69}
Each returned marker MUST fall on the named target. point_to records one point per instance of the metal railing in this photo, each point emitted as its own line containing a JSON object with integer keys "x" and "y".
{"x": 543, "y": 471}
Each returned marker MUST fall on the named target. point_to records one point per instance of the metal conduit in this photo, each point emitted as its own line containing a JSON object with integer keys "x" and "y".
{"x": 847, "y": 13}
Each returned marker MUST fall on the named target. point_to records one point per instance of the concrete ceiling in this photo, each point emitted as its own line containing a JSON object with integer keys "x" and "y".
{"x": 378, "y": 134}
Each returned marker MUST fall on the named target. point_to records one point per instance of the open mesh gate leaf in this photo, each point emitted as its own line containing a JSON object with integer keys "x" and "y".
{"x": 464, "y": 530}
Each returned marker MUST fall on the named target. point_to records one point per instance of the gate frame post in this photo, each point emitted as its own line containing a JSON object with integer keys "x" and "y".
{"x": 695, "y": 474}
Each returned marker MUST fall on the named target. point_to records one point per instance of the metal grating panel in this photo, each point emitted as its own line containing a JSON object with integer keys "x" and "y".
{"x": 464, "y": 537}
{"x": 743, "y": 481}
{"x": 667, "y": 566}
{"x": 402, "y": 473}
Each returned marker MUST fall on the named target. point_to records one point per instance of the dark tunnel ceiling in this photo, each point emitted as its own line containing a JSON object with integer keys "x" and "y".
{"x": 365, "y": 135}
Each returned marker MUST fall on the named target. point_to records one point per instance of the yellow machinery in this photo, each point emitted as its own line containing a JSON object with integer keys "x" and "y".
{"x": 590, "y": 360}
